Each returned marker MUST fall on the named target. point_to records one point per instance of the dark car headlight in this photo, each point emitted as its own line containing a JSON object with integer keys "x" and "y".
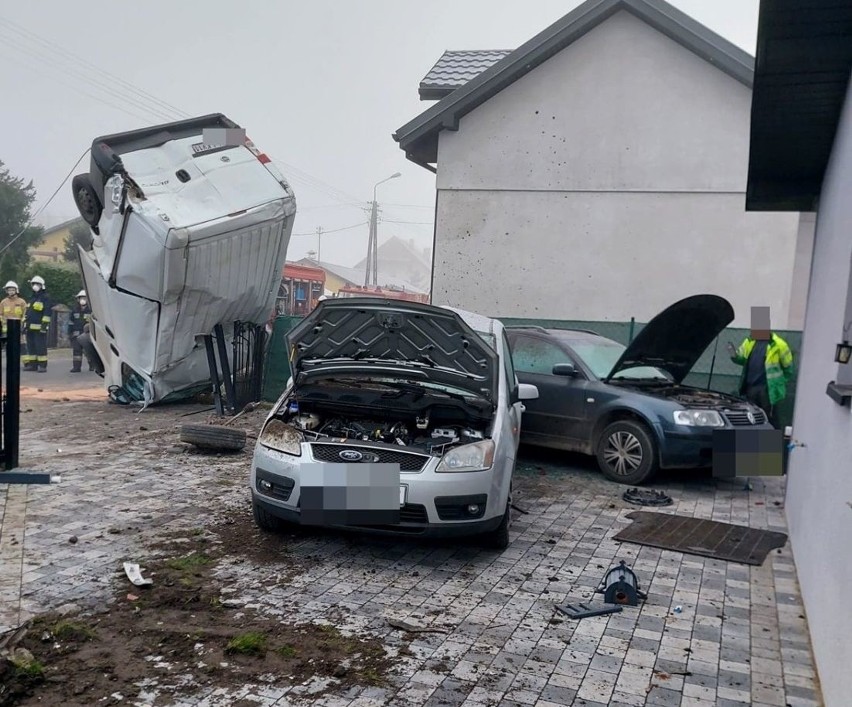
{"x": 698, "y": 418}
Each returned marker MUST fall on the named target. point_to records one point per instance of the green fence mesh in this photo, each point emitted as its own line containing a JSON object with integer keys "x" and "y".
{"x": 725, "y": 376}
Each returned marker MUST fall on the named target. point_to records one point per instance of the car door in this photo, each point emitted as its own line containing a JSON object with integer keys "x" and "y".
{"x": 557, "y": 417}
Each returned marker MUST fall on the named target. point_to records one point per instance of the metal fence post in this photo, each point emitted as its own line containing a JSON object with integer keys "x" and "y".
{"x": 632, "y": 325}
{"x": 12, "y": 399}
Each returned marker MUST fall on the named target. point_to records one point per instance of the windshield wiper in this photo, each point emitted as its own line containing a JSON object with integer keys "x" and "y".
{"x": 421, "y": 390}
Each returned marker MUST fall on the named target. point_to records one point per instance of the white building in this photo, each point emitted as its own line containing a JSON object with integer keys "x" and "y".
{"x": 598, "y": 172}
{"x": 801, "y": 159}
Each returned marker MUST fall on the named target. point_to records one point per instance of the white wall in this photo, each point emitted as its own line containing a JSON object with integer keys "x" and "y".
{"x": 619, "y": 162}
{"x": 819, "y": 489}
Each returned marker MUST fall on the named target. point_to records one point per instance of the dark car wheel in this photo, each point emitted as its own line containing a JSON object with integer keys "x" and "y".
{"x": 626, "y": 452}
{"x": 498, "y": 539}
{"x": 264, "y": 520}
{"x": 86, "y": 199}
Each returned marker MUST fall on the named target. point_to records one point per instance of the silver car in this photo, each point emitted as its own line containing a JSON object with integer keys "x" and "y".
{"x": 400, "y": 418}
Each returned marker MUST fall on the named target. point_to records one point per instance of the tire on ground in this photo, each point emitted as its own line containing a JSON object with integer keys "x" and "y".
{"x": 626, "y": 429}
{"x": 264, "y": 520}
{"x": 213, "y": 437}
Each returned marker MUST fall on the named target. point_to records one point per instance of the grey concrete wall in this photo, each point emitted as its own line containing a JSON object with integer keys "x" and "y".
{"x": 620, "y": 162}
{"x": 819, "y": 491}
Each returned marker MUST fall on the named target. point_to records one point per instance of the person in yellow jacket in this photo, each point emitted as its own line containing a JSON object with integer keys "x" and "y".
{"x": 767, "y": 365}
{"x": 37, "y": 322}
{"x": 13, "y": 306}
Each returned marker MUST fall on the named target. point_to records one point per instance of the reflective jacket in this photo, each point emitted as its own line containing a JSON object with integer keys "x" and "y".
{"x": 12, "y": 308}
{"x": 779, "y": 366}
{"x": 38, "y": 313}
{"x": 78, "y": 319}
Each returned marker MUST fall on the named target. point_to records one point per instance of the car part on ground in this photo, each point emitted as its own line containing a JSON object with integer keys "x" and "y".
{"x": 620, "y": 585}
{"x": 184, "y": 236}
{"x": 213, "y": 437}
{"x": 584, "y": 609}
{"x": 706, "y": 538}
{"x": 647, "y": 497}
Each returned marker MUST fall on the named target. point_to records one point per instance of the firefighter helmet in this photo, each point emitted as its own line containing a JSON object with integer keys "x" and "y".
{"x": 81, "y": 293}
{"x": 37, "y": 280}
{"x": 9, "y": 284}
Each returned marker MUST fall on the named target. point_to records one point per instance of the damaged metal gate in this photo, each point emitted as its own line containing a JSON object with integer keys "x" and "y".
{"x": 238, "y": 380}
{"x": 10, "y": 344}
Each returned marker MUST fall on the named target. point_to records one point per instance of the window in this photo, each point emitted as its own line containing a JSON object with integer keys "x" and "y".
{"x": 537, "y": 355}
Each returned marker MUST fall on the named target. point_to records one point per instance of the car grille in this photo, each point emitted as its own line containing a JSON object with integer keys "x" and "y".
{"x": 412, "y": 519}
{"x": 739, "y": 418}
{"x": 407, "y": 461}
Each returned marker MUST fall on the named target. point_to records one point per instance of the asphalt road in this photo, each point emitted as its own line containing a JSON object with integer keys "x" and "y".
{"x": 57, "y": 377}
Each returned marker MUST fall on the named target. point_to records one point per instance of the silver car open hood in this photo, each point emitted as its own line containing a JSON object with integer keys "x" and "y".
{"x": 371, "y": 336}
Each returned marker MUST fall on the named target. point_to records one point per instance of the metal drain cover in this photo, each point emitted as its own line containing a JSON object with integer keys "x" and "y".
{"x": 647, "y": 497}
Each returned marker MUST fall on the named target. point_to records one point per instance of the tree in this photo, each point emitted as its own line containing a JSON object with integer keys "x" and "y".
{"x": 16, "y": 200}
{"x": 79, "y": 233}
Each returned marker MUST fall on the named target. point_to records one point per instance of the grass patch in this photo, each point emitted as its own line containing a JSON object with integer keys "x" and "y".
{"x": 287, "y": 652}
{"x": 31, "y": 671}
{"x": 189, "y": 562}
{"x": 371, "y": 677}
{"x": 72, "y": 631}
{"x": 251, "y": 643}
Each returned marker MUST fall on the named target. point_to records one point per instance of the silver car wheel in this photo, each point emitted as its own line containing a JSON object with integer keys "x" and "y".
{"x": 623, "y": 453}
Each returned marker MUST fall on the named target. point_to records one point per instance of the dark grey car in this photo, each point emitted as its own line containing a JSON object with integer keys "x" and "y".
{"x": 627, "y": 405}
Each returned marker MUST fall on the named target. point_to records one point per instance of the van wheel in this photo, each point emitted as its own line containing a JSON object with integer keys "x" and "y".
{"x": 86, "y": 199}
{"x": 626, "y": 452}
{"x": 213, "y": 437}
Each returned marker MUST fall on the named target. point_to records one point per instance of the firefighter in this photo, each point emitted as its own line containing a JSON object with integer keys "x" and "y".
{"x": 13, "y": 306}
{"x": 37, "y": 322}
{"x": 78, "y": 323}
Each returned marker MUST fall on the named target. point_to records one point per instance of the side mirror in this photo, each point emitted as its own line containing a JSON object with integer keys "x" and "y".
{"x": 527, "y": 392}
{"x": 565, "y": 369}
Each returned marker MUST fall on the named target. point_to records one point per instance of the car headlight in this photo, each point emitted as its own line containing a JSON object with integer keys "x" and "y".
{"x": 698, "y": 418}
{"x": 282, "y": 437}
{"x": 478, "y": 456}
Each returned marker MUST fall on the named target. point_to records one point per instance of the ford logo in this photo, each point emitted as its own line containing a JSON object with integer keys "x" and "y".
{"x": 351, "y": 455}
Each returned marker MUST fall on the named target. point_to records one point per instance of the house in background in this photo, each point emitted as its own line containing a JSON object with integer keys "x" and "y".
{"x": 801, "y": 160}
{"x": 598, "y": 172}
{"x": 339, "y": 276}
{"x": 403, "y": 261}
{"x": 52, "y": 245}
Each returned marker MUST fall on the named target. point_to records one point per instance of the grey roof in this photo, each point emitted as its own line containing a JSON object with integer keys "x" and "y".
{"x": 419, "y": 137}
{"x": 456, "y": 68}
{"x": 356, "y": 276}
{"x": 804, "y": 58}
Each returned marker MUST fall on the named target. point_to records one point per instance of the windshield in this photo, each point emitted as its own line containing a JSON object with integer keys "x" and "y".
{"x": 601, "y": 355}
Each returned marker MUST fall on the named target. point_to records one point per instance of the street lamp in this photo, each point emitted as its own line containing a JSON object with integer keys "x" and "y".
{"x": 372, "y": 243}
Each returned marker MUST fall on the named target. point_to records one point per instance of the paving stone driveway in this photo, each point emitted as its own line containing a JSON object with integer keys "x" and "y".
{"x": 740, "y": 638}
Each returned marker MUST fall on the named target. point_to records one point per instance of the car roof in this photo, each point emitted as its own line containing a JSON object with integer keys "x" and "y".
{"x": 571, "y": 334}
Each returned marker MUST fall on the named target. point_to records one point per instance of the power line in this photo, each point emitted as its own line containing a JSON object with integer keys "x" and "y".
{"x": 44, "y": 206}
{"x": 334, "y": 230}
{"x": 411, "y": 223}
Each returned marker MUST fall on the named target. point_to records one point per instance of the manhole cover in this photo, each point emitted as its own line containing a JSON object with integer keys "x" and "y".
{"x": 647, "y": 497}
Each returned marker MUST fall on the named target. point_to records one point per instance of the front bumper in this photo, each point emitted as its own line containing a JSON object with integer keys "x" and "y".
{"x": 433, "y": 500}
{"x": 692, "y": 447}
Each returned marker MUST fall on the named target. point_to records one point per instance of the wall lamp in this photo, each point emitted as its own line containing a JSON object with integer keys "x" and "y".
{"x": 844, "y": 349}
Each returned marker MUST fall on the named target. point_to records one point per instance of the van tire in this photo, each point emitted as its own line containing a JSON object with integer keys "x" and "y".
{"x": 213, "y": 437}
{"x": 87, "y": 200}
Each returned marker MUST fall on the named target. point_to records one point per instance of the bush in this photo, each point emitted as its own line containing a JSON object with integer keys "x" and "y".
{"x": 63, "y": 282}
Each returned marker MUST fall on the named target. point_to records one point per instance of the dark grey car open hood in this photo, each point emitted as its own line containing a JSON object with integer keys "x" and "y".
{"x": 675, "y": 339}
{"x": 371, "y": 335}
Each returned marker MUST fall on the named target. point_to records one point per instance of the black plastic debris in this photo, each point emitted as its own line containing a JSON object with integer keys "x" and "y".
{"x": 583, "y": 610}
{"x": 620, "y": 585}
{"x": 647, "y": 497}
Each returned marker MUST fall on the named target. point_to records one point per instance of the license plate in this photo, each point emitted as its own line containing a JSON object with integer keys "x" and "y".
{"x": 200, "y": 148}
{"x": 402, "y": 490}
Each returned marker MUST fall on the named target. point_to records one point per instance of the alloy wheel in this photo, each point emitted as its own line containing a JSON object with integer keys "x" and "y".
{"x": 623, "y": 453}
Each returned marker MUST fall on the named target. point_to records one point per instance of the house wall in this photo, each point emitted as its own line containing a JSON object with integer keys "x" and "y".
{"x": 819, "y": 490}
{"x": 619, "y": 162}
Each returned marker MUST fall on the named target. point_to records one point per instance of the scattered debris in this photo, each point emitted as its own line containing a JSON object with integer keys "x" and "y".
{"x": 582, "y": 610}
{"x": 413, "y": 628}
{"x": 134, "y": 574}
{"x": 520, "y": 510}
{"x": 73, "y": 540}
{"x": 620, "y": 585}
{"x": 214, "y": 437}
{"x": 647, "y": 497}
{"x": 678, "y": 609}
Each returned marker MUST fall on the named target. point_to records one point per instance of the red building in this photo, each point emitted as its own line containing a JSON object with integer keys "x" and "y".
{"x": 300, "y": 289}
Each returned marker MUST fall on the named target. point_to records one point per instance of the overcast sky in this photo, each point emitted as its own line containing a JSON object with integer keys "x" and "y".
{"x": 320, "y": 85}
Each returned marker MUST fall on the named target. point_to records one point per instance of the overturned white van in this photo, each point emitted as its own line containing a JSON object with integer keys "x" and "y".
{"x": 185, "y": 235}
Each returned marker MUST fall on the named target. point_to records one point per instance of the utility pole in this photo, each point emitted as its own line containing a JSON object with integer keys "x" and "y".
{"x": 371, "y": 274}
{"x": 319, "y": 244}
